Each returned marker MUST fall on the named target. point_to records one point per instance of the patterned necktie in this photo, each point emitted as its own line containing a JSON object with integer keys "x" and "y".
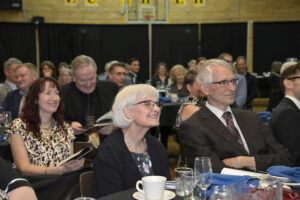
{"x": 233, "y": 130}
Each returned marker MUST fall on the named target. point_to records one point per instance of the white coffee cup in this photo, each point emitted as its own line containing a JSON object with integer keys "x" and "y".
{"x": 174, "y": 97}
{"x": 153, "y": 187}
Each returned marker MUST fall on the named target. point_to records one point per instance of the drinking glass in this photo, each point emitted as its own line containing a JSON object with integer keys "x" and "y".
{"x": 189, "y": 186}
{"x": 178, "y": 173}
{"x": 223, "y": 192}
{"x": 203, "y": 174}
{"x": 6, "y": 118}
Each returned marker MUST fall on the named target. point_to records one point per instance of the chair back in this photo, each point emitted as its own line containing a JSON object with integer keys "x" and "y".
{"x": 86, "y": 184}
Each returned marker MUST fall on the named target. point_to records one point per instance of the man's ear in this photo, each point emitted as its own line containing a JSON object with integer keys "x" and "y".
{"x": 288, "y": 84}
{"x": 205, "y": 89}
{"x": 128, "y": 112}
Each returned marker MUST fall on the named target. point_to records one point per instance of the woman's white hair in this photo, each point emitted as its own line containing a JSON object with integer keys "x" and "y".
{"x": 205, "y": 73}
{"x": 127, "y": 97}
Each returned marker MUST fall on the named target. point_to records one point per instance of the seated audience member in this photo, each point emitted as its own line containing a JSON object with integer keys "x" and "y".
{"x": 10, "y": 81}
{"x": 104, "y": 75}
{"x": 194, "y": 101}
{"x": 241, "y": 87}
{"x": 63, "y": 65}
{"x": 230, "y": 137}
{"x": 12, "y": 185}
{"x": 65, "y": 76}
{"x": 200, "y": 61}
{"x": 177, "y": 76}
{"x": 25, "y": 75}
{"x": 40, "y": 139}
{"x": 133, "y": 70}
{"x": 47, "y": 69}
{"x": 277, "y": 95}
{"x": 275, "y": 75}
{"x": 192, "y": 63}
{"x": 241, "y": 67}
{"x": 117, "y": 73}
{"x": 86, "y": 99}
{"x": 161, "y": 76}
{"x": 286, "y": 116}
{"x": 130, "y": 152}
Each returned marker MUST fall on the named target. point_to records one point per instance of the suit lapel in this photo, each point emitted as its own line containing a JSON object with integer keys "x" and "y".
{"x": 215, "y": 125}
{"x": 244, "y": 126}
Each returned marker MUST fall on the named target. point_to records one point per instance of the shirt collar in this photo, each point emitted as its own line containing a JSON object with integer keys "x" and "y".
{"x": 11, "y": 84}
{"x": 218, "y": 112}
{"x": 293, "y": 99}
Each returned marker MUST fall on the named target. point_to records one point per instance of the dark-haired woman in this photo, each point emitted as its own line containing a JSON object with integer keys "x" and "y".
{"x": 161, "y": 78}
{"x": 40, "y": 139}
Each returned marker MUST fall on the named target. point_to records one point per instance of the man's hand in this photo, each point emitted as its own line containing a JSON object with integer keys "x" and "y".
{"x": 241, "y": 162}
{"x": 77, "y": 128}
{"x": 106, "y": 130}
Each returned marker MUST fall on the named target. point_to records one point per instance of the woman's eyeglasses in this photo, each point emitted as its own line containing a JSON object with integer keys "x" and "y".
{"x": 150, "y": 104}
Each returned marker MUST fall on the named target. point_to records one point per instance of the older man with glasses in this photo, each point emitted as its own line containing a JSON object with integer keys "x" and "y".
{"x": 230, "y": 137}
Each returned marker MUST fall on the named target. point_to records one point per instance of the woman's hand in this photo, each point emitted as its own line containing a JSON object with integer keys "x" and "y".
{"x": 72, "y": 165}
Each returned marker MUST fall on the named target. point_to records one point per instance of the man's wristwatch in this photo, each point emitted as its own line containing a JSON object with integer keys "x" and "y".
{"x": 3, "y": 195}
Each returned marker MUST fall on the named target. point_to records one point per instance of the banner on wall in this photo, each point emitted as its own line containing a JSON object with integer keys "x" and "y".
{"x": 146, "y": 2}
{"x": 199, "y": 2}
{"x": 124, "y": 1}
{"x": 91, "y": 2}
{"x": 180, "y": 2}
{"x": 71, "y": 2}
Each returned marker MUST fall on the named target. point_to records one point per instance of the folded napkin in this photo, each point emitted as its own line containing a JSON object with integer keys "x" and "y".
{"x": 292, "y": 173}
{"x": 223, "y": 179}
{"x": 165, "y": 99}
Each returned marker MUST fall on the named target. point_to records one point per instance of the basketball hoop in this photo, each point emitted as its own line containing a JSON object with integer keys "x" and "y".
{"x": 147, "y": 17}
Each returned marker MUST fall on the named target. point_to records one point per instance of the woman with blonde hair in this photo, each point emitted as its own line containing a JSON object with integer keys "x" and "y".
{"x": 177, "y": 75}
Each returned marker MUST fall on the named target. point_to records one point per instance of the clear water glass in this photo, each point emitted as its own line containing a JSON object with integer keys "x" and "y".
{"x": 223, "y": 192}
{"x": 203, "y": 174}
{"x": 178, "y": 173}
{"x": 190, "y": 192}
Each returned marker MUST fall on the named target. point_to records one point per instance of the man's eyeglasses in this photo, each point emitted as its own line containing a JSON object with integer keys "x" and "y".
{"x": 150, "y": 104}
{"x": 225, "y": 83}
{"x": 293, "y": 78}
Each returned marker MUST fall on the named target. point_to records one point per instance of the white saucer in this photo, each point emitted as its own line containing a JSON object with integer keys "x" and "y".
{"x": 167, "y": 195}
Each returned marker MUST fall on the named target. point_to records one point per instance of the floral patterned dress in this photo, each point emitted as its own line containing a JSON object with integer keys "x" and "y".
{"x": 143, "y": 162}
{"x": 46, "y": 150}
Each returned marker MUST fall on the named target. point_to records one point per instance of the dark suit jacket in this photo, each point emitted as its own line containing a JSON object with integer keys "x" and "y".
{"x": 12, "y": 103}
{"x": 285, "y": 123}
{"x": 115, "y": 169}
{"x": 251, "y": 89}
{"x": 203, "y": 134}
{"x": 76, "y": 101}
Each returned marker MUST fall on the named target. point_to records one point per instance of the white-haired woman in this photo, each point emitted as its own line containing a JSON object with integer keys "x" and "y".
{"x": 129, "y": 153}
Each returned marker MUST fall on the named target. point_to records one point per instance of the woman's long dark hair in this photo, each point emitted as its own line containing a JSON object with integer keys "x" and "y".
{"x": 30, "y": 113}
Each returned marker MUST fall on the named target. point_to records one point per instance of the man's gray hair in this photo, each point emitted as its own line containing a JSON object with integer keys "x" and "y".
{"x": 82, "y": 61}
{"x": 205, "y": 73}
{"x": 127, "y": 97}
{"x": 11, "y": 61}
